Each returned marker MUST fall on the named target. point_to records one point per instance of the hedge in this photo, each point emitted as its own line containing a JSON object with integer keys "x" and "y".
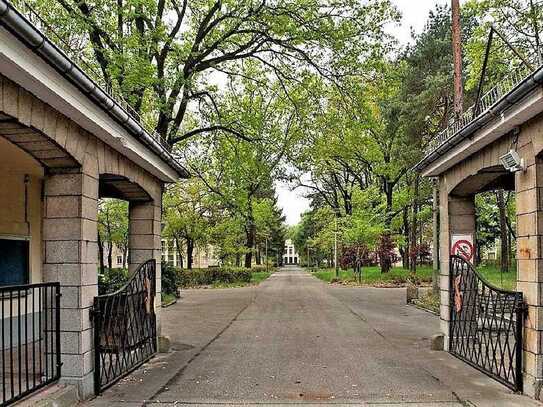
{"x": 213, "y": 275}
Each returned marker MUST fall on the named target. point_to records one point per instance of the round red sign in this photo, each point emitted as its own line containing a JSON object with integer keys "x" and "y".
{"x": 463, "y": 248}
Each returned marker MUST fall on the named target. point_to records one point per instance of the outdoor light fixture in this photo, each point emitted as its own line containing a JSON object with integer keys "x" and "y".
{"x": 512, "y": 161}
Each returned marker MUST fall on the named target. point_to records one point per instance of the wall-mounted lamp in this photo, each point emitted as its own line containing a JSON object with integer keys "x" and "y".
{"x": 512, "y": 161}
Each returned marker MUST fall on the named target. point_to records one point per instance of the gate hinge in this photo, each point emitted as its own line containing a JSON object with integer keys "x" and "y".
{"x": 522, "y": 308}
{"x": 94, "y": 313}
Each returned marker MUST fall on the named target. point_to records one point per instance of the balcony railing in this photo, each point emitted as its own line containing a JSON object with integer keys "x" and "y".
{"x": 487, "y": 101}
{"x": 75, "y": 54}
{"x": 29, "y": 339}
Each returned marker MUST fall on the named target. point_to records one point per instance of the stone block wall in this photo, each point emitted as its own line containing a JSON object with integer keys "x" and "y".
{"x": 73, "y": 166}
{"x": 457, "y": 216}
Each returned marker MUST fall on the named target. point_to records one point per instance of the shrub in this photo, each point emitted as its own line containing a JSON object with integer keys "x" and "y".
{"x": 213, "y": 275}
{"x": 355, "y": 256}
{"x": 169, "y": 279}
{"x": 261, "y": 268}
{"x": 421, "y": 253}
{"x": 386, "y": 252}
{"x": 111, "y": 280}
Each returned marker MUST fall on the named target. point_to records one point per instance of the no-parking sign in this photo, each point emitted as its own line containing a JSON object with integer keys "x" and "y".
{"x": 462, "y": 245}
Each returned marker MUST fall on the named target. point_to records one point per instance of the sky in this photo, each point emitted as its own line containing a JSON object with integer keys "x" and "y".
{"x": 414, "y": 15}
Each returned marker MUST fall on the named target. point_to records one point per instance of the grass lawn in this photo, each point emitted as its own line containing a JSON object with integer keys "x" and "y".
{"x": 373, "y": 276}
{"x": 399, "y": 276}
{"x": 259, "y": 276}
{"x": 495, "y": 277}
{"x": 167, "y": 298}
{"x": 256, "y": 278}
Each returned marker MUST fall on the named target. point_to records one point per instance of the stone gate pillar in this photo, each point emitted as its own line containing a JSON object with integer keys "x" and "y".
{"x": 529, "y": 207}
{"x": 70, "y": 255}
{"x": 457, "y": 216}
{"x": 144, "y": 227}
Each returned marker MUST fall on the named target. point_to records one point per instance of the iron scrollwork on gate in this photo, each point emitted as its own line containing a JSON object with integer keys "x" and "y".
{"x": 486, "y": 324}
{"x": 125, "y": 327}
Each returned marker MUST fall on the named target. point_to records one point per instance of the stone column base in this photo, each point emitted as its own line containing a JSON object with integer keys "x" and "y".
{"x": 84, "y": 385}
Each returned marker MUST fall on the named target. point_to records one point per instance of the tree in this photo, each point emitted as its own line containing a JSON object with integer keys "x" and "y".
{"x": 517, "y": 21}
{"x": 186, "y": 216}
{"x": 112, "y": 229}
{"x": 270, "y": 230}
{"x": 228, "y": 238}
{"x": 239, "y": 172}
{"x": 163, "y": 56}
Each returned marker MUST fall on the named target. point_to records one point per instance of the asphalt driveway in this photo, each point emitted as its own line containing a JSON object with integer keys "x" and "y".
{"x": 295, "y": 339}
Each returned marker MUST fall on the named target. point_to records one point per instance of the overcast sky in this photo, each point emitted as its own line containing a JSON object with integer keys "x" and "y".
{"x": 414, "y": 15}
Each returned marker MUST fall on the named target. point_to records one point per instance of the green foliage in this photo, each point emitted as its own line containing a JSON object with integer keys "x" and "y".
{"x": 239, "y": 174}
{"x": 113, "y": 226}
{"x": 111, "y": 280}
{"x": 517, "y": 20}
{"x": 169, "y": 279}
{"x": 397, "y": 276}
{"x": 213, "y": 275}
{"x": 161, "y": 55}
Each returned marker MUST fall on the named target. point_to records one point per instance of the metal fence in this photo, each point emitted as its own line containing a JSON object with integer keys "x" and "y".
{"x": 488, "y": 99}
{"x": 30, "y": 338}
{"x": 125, "y": 327}
{"x": 486, "y": 324}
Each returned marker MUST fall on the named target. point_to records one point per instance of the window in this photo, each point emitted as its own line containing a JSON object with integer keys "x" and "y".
{"x": 14, "y": 261}
{"x": 119, "y": 260}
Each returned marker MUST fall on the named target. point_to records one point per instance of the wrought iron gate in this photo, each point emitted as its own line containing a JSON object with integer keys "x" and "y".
{"x": 485, "y": 325}
{"x": 29, "y": 339}
{"x": 125, "y": 327}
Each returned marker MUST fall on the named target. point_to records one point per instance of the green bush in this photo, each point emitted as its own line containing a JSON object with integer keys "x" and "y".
{"x": 169, "y": 279}
{"x": 261, "y": 268}
{"x": 111, "y": 280}
{"x": 213, "y": 275}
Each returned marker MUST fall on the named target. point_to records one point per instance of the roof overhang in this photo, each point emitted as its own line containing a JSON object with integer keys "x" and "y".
{"x": 511, "y": 111}
{"x": 498, "y": 126}
{"x": 20, "y": 62}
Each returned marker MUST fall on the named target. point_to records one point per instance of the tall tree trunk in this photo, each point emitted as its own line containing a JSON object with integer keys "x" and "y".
{"x": 190, "y": 253}
{"x": 125, "y": 256}
{"x": 250, "y": 242}
{"x": 101, "y": 254}
{"x": 258, "y": 255}
{"x": 389, "y": 189}
{"x": 435, "y": 233}
{"x": 457, "y": 57}
{"x": 413, "y": 230}
{"x": 110, "y": 255}
{"x": 179, "y": 251}
{"x": 405, "y": 254}
{"x": 504, "y": 238}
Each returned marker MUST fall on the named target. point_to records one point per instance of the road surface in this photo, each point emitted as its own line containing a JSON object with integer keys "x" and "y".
{"x": 295, "y": 339}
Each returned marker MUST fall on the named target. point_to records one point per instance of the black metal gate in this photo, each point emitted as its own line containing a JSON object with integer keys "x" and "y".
{"x": 29, "y": 339}
{"x": 486, "y": 324}
{"x": 125, "y": 327}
